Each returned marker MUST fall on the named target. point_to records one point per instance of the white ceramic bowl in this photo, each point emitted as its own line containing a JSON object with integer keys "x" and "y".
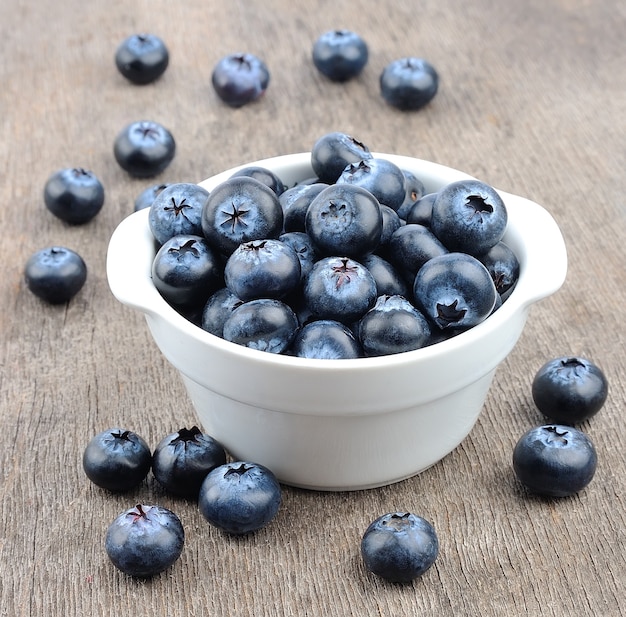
{"x": 342, "y": 424}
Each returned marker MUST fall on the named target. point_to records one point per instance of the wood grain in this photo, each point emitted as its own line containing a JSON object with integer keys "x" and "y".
{"x": 532, "y": 100}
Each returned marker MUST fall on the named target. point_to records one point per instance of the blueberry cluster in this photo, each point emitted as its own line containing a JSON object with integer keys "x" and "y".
{"x": 237, "y": 497}
{"x": 333, "y": 267}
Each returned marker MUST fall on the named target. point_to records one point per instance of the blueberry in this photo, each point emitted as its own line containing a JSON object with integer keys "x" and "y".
{"x": 55, "y": 274}
{"x": 217, "y": 310}
{"x": 387, "y": 278}
{"x": 240, "y": 78}
{"x": 468, "y": 216}
{"x": 554, "y": 460}
{"x": 117, "y": 459}
{"x": 264, "y": 175}
{"x": 411, "y": 246}
{"x": 142, "y": 58}
{"x": 503, "y": 266}
{"x": 339, "y": 288}
{"x": 262, "y": 269}
{"x": 569, "y": 389}
{"x": 409, "y": 83}
{"x": 240, "y": 210}
{"x": 340, "y": 55}
{"x": 186, "y": 270}
{"x": 177, "y": 210}
{"x": 422, "y": 211}
{"x": 455, "y": 291}
{"x": 332, "y": 152}
{"x": 240, "y": 497}
{"x": 399, "y": 547}
{"x": 75, "y": 195}
{"x": 145, "y": 540}
{"x": 264, "y": 324}
{"x": 393, "y": 325}
{"x": 148, "y": 195}
{"x": 182, "y": 460}
{"x": 414, "y": 191}
{"x": 296, "y": 201}
{"x": 380, "y": 177}
{"x": 344, "y": 220}
{"x": 326, "y": 339}
{"x": 391, "y": 223}
{"x": 144, "y": 148}
{"x": 303, "y": 247}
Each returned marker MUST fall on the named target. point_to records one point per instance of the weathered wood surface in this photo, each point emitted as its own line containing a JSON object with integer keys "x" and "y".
{"x": 532, "y": 100}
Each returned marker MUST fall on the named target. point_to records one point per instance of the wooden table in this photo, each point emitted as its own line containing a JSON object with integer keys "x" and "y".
{"x": 532, "y": 100}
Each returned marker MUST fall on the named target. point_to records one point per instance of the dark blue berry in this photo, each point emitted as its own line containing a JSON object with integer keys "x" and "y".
{"x": 182, "y": 460}
{"x": 326, "y": 339}
{"x": 422, "y": 211}
{"x": 177, "y": 211}
{"x": 399, "y": 547}
{"x": 303, "y": 247}
{"x": 217, "y": 310}
{"x": 117, "y": 459}
{"x": 265, "y": 325}
{"x": 391, "y": 223}
{"x": 411, "y": 246}
{"x": 264, "y": 175}
{"x": 55, "y": 274}
{"x": 75, "y": 195}
{"x": 142, "y": 58}
{"x": 569, "y": 389}
{"x": 296, "y": 201}
{"x": 503, "y": 266}
{"x": 454, "y": 291}
{"x": 240, "y": 210}
{"x": 409, "y": 83}
{"x": 148, "y": 195}
{"x": 468, "y": 216}
{"x": 240, "y": 78}
{"x": 240, "y": 497}
{"x": 414, "y": 192}
{"x": 340, "y": 55}
{"x": 145, "y": 540}
{"x": 388, "y": 279}
{"x": 554, "y": 460}
{"x": 332, "y": 152}
{"x": 344, "y": 220}
{"x": 144, "y": 148}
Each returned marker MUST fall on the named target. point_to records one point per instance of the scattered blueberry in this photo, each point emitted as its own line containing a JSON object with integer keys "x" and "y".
{"x": 240, "y": 497}
{"x": 399, "y": 547}
{"x": 182, "y": 460}
{"x": 326, "y": 339}
{"x": 177, "y": 210}
{"x": 148, "y": 195}
{"x": 340, "y": 55}
{"x": 142, "y": 58}
{"x": 569, "y": 389}
{"x": 55, "y": 274}
{"x": 332, "y": 152}
{"x": 240, "y": 78}
{"x": 554, "y": 460}
{"x": 409, "y": 83}
{"x": 117, "y": 459}
{"x": 145, "y": 540}
{"x": 144, "y": 148}
{"x": 75, "y": 195}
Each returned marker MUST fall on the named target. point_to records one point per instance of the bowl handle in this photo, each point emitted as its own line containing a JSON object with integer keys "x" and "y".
{"x": 129, "y": 263}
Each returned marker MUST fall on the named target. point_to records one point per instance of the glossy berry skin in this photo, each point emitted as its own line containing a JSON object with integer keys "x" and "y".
{"x": 569, "y": 389}
{"x": 75, "y": 195}
{"x": 266, "y": 176}
{"x": 411, "y": 246}
{"x": 240, "y": 497}
{"x": 177, "y": 211}
{"x": 422, "y": 211}
{"x": 117, "y": 459}
{"x": 340, "y": 55}
{"x": 240, "y": 78}
{"x": 303, "y": 247}
{"x": 239, "y": 210}
{"x": 182, "y": 460}
{"x": 468, "y": 216}
{"x": 145, "y": 540}
{"x": 332, "y": 152}
{"x": 295, "y": 203}
{"x": 148, "y": 195}
{"x": 554, "y": 460}
{"x": 264, "y": 324}
{"x": 339, "y": 288}
{"x": 142, "y": 58}
{"x": 393, "y": 325}
{"x": 454, "y": 291}
{"x": 326, "y": 339}
{"x": 414, "y": 191}
{"x": 55, "y": 274}
{"x": 399, "y": 547}
{"x": 217, "y": 310}
{"x": 387, "y": 278}
{"x": 144, "y": 148}
{"x": 262, "y": 269}
{"x": 186, "y": 271}
{"x": 503, "y": 266}
{"x": 344, "y": 220}
{"x": 380, "y": 177}
{"x": 409, "y": 83}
